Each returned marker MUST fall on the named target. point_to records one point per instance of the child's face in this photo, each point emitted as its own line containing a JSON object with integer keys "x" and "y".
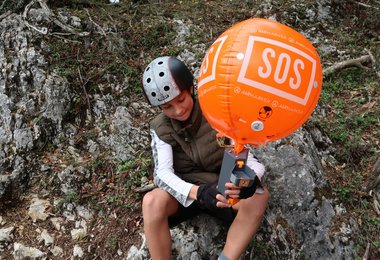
{"x": 179, "y": 108}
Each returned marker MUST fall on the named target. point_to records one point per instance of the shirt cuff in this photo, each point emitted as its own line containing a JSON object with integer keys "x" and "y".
{"x": 187, "y": 201}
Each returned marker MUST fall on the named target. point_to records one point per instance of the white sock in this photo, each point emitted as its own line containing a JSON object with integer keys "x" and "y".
{"x": 222, "y": 257}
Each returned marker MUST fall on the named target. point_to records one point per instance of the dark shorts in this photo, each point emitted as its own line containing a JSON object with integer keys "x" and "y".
{"x": 227, "y": 215}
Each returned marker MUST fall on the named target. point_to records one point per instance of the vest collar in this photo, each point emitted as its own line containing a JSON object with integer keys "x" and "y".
{"x": 195, "y": 121}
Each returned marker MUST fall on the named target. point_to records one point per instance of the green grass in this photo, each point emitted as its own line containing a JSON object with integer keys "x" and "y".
{"x": 261, "y": 251}
{"x": 137, "y": 169}
{"x": 352, "y": 124}
{"x": 376, "y": 246}
{"x": 349, "y": 121}
{"x": 344, "y": 194}
{"x": 71, "y": 197}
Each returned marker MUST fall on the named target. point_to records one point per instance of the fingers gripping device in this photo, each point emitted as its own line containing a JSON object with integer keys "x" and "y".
{"x": 235, "y": 170}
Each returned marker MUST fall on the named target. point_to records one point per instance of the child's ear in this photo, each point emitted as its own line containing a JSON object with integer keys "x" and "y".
{"x": 191, "y": 90}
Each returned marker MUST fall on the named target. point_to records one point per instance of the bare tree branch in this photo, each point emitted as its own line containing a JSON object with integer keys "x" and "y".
{"x": 42, "y": 30}
{"x": 85, "y": 91}
{"x": 366, "y": 254}
{"x": 145, "y": 188}
{"x": 3, "y": 4}
{"x": 365, "y": 5}
{"x": 358, "y": 62}
{"x": 4, "y": 15}
{"x": 53, "y": 18}
{"x": 101, "y": 31}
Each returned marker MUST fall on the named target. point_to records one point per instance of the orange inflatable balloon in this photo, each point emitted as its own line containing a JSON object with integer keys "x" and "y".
{"x": 259, "y": 81}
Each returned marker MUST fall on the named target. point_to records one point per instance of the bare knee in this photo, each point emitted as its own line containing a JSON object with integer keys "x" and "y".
{"x": 256, "y": 205}
{"x": 158, "y": 204}
{"x": 151, "y": 203}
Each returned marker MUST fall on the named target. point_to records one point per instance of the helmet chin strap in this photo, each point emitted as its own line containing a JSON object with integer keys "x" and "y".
{"x": 192, "y": 93}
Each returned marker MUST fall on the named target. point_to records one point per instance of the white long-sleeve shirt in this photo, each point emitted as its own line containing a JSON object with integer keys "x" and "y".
{"x": 166, "y": 179}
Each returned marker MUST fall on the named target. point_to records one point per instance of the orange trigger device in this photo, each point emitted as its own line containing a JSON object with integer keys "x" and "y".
{"x": 235, "y": 170}
{"x": 233, "y": 201}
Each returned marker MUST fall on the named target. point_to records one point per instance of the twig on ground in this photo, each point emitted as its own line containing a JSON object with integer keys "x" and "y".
{"x": 3, "y": 4}
{"x": 85, "y": 91}
{"x": 366, "y": 254}
{"x": 109, "y": 16}
{"x": 251, "y": 254}
{"x": 100, "y": 29}
{"x": 70, "y": 29}
{"x": 371, "y": 56}
{"x": 44, "y": 30}
{"x": 365, "y": 5}
{"x": 58, "y": 35}
{"x": 358, "y": 62}
{"x": 376, "y": 205}
{"x": 145, "y": 188}
{"x": 4, "y": 15}
{"x": 374, "y": 63}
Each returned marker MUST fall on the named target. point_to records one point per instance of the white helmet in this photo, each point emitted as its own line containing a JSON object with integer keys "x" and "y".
{"x": 164, "y": 79}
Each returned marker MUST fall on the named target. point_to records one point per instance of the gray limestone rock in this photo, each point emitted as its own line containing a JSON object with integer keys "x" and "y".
{"x": 32, "y": 104}
{"x": 6, "y": 237}
{"x": 21, "y": 252}
{"x": 123, "y": 138}
{"x": 297, "y": 219}
{"x": 198, "y": 238}
{"x": 298, "y": 216}
{"x": 37, "y": 210}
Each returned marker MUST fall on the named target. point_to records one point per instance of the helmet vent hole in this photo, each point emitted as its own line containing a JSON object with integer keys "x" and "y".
{"x": 166, "y": 88}
{"x": 147, "y": 69}
{"x": 160, "y": 62}
{"x": 161, "y": 74}
{"x": 148, "y": 80}
{"x": 153, "y": 94}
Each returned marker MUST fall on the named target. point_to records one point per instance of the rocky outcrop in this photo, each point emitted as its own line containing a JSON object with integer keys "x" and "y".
{"x": 298, "y": 216}
{"x": 32, "y": 104}
{"x": 197, "y": 238}
{"x": 34, "y": 101}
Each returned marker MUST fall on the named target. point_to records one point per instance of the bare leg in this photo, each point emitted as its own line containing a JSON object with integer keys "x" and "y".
{"x": 157, "y": 206}
{"x": 245, "y": 225}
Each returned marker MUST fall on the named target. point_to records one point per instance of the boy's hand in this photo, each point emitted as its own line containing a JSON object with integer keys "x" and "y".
{"x": 209, "y": 197}
{"x": 206, "y": 195}
{"x": 247, "y": 192}
{"x": 240, "y": 192}
{"x": 232, "y": 191}
{"x": 222, "y": 202}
